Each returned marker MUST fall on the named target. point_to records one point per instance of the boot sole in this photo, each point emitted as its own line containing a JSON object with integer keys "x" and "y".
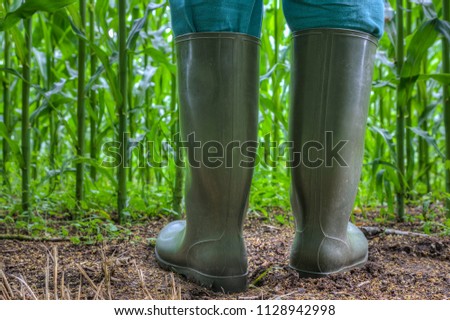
{"x": 219, "y": 284}
{"x": 312, "y": 274}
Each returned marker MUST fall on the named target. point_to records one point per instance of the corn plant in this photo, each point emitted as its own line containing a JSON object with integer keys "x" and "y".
{"x": 96, "y": 83}
{"x": 81, "y": 103}
{"x": 446, "y": 98}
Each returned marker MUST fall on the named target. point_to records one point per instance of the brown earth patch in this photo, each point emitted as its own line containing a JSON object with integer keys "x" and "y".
{"x": 399, "y": 267}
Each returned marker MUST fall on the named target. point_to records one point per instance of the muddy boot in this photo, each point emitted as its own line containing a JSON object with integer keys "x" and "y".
{"x": 331, "y": 84}
{"x": 218, "y": 76}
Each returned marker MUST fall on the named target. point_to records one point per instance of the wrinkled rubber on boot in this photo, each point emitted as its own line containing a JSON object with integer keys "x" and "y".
{"x": 218, "y": 76}
{"x": 331, "y": 84}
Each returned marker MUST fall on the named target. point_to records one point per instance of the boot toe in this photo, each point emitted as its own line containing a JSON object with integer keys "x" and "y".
{"x": 358, "y": 245}
{"x": 170, "y": 240}
{"x": 209, "y": 269}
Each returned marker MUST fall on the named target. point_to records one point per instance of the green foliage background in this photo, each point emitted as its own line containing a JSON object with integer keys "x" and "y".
{"x": 416, "y": 84}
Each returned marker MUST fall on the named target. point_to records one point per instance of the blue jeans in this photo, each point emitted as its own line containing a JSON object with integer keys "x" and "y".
{"x": 245, "y": 16}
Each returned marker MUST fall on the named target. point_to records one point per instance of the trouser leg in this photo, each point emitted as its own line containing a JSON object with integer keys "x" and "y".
{"x": 217, "y": 16}
{"x": 361, "y": 15}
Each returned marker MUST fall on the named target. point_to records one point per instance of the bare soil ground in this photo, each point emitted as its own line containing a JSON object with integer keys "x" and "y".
{"x": 399, "y": 267}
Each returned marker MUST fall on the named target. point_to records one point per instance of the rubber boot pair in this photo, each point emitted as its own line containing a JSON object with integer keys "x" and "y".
{"x": 218, "y": 89}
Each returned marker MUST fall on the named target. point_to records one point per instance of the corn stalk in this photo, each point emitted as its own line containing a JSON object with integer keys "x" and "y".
{"x": 400, "y": 129}
{"x": 81, "y": 106}
{"x": 92, "y": 94}
{"x": 26, "y": 143}
{"x": 6, "y": 107}
{"x": 446, "y": 93}
{"x": 122, "y": 112}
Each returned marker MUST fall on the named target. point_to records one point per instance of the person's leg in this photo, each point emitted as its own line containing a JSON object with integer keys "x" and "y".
{"x": 190, "y": 16}
{"x": 334, "y": 47}
{"x": 361, "y": 15}
{"x": 218, "y": 83}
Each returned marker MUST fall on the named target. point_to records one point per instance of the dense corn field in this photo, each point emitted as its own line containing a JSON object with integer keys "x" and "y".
{"x": 89, "y": 84}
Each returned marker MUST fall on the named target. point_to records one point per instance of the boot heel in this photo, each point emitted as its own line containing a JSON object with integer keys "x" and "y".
{"x": 315, "y": 275}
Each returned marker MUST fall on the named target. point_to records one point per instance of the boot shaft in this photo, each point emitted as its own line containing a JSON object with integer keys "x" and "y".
{"x": 218, "y": 76}
{"x": 331, "y": 84}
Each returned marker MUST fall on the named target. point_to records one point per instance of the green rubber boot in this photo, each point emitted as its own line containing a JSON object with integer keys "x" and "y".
{"x": 218, "y": 76}
{"x": 331, "y": 84}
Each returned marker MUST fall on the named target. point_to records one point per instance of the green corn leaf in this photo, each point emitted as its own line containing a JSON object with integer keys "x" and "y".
{"x": 66, "y": 167}
{"x": 379, "y": 178}
{"x": 113, "y": 61}
{"x": 421, "y": 41}
{"x": 19, "y": 42}
{"x": 389, "y": 195}
{"x": 424, "y": 37}
{"x": 444, "y": 28}
{"x": 51, "y": 98}
{"x": 427, "y": 113}
{"x": 443, "y": 78}
{"x": 15, "y": 147}
{"x": 427, "y": 6}
{"x": 387, "y": 136}
{"x": 160, "y": 57}
{"x": 139, "y": 24}
{"x": 12, "y": 72}
{"x": 429, "y": 139}
{"x": 75, "y": 18}
{"x": 268, "y": 74}
{"x": 110, "y": 74}
{"x": 30, "y": 7}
